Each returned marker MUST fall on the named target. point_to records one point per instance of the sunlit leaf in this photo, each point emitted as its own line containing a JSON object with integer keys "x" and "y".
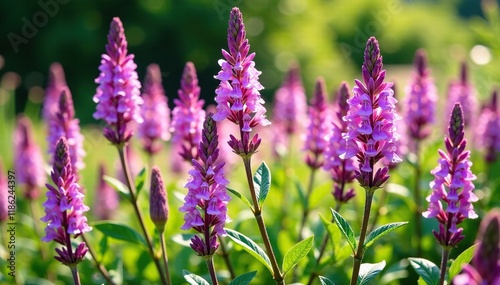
{"x": 345, "y": 229}
{"x": 425, "y": 269}
{"x": 380, "y": 232}
{"x": 251, "y": 247}
{"x": 368, "y": 271}
{"x": 194, "y": 279}
{"x": 262, "y": 182}
{"x": 464, "y": 258}
{"x": 241, "y": 197}
{"x": 120, "y": 232}
{"x": 243, "y": 279}
{"x": 296, "y": 253}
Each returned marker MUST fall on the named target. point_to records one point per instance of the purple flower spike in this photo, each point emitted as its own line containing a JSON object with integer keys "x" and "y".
{"x": 188, "y": 115}
{"x": 154, "y": 111}
{"x": 420, "y": 100}
{"x": 56, "y": 85}
{"x": 290, "y": 108}
{"x": 4, "y": 202}
{"x": 485, "y": 264}
{"x": 64, "y": 208}
{"x": 488, "y": 129}
{"x": 452, "y": 184}
{"x": 341, "y": 170}
{"x": 118, "y": 97}
{"x": 238, "y": 97}
{"x": 371, "y": 121}
{"x": 158, "y": 202}
{"x": 463, "y": 92}
{"x": 107, "y": 199}
{"x": 29, "y": 164}
{"x": 64, "y": 124}
{"x": 205, "y": 204}
{"x": 319, "y": 129}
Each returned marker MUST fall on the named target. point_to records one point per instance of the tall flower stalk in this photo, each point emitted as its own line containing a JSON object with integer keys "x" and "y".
{"x": 188, "y": 115}
{"x": 155, "y": 113}
{"x": 420, "y": 109}
{"x": 371, "y": 134}
{"x": 205, "y": 204}
{"x": 64, "y": 210}
{"x": 453, "y": 187}
{"x": 118, "y": 104}
{"x": 238, "y": 99}
{"x": 316, "y": 141}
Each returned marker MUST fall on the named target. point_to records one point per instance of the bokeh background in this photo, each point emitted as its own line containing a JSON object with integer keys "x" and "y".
{"x": 325, "y": 37}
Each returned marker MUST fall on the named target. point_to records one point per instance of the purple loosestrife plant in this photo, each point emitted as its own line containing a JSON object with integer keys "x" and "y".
{"x": 488, "y": 129}
{"x": 158, "y": 211}
{"x": 107, "y": 199}
{"x": 452, "y": 187}
{"x": 29, "y": 164}
{"x": 188, "y": 115}
{"x": 155, "y": 112}
{"x": 289, "y": 111}
{"x": 64, "y": 124}
{"x": 341, "y": 170}
{"x": 463, "y": 92}
{"x": 371, "y": 134}
{"x": 118, "y": 97}
{"x": 56, "y": 85}
{"x": 238, "y": 97}
{"x": 420, "y": 101}
{"x": 485, "y": 265}
{"x": 205, "y": 204}
{"x": 64, "y": 210}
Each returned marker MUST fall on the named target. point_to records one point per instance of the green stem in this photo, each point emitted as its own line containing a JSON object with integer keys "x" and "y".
{"x": 444, "y": 262}
{"x": 358, "y": 256}
{"x": 381, "y": 201}
{"x": 76, "y": 276}
{"x": 211, "y": 269}
{"x": 98, "y": 264}
{"x": 418, "y": 210}
{"x": 165, "y": 257}
{"x": 257, "y": 211}
{"x": 225, "y": 256}
{"x": 310, "y": 187}
{"x": 133, "y": 200}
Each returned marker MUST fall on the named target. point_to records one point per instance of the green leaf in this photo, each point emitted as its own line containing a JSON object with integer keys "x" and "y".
{"x": 120, "y": 232}
{"x": 425, "y": 269}
{"x": 242, "y": 198}
{"x": 194, "y": 279}
{"x": 251, "y": 247}
{"x": 368, "y": 271}
{"x": 464, "y": 258}
{"x": 301, "y": 192}
{"x": 262, "y": 182}
{"x": 340, "y": 250}
{"x": 325, "y": 281}
{"x": 380, "y": 232}
{"x": 243, "y": 279}
{"x": 296, "y": 253}
{"x": 140, "y": 179}
{"x": 117, "y": 185}
{"x": 346, "y": 229}
{"x": 103, "y": 245}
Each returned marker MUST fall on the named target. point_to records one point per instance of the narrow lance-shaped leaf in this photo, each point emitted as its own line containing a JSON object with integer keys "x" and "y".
{"x": 368, "y": 271}
{"x": 345, "y": 228}
{"x": 242, "y": 198}
{"x": 140, "y": 180}
{"x": 464, "y": 258}
{"x": 251, "y": 247}
{"x": 296, "y": 253}
{"x": 243, "y": 279}
{"x": 117, "y": 185}
{"x": 380, "y": 232}
{"x": 120, "y": 232}
{"x": 194, "y": 279}
{"x": 340, "y": 250}
{"x": 262, "y": 182}
{"x": 425, "y": 269}
{"x": 325, "y": 281}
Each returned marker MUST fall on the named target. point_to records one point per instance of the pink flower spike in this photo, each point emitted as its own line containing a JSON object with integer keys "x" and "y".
{"x": 55, "y": 86}
{"x": 118, "y": 97}
{"x": 154, "y": 111}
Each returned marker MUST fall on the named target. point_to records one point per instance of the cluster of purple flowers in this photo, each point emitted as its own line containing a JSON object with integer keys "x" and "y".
{"x": 371, "y": 121}
{"x": 463, "y": 92}
{"x": 488, "y": 129}
{"x": 238, "y": 97}
{"x": 154, "y": 111}
{"x": 206, "y": 200}
{"x": 452, "y": 184}
{"x": 118, "y": 97}
{"x": 64, "y": 208}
